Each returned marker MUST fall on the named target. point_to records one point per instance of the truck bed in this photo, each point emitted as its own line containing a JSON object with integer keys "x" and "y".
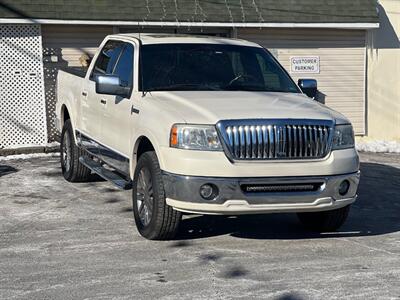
{"x": 77, "y": 71}
{"x": 70, "y": 82}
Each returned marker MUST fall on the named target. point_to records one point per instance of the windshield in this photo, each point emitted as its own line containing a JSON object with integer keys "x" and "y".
{"x": 205, "y": 67}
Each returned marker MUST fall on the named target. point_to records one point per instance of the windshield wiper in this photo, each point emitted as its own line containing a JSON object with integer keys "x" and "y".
{"x": 183, "y": 87}
{"x": 251, "y": 88}
{"x": 243, "y": 87}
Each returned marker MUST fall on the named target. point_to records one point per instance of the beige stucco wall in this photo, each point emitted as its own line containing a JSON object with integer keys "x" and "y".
{"x": 383, "y": 52}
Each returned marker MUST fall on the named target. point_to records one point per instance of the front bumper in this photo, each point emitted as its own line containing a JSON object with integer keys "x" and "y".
{"x": 182, "y": 193}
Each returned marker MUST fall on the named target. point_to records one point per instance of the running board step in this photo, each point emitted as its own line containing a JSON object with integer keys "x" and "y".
{"x": 108, "y": 175}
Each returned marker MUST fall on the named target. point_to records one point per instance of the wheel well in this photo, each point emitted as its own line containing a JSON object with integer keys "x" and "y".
{"x": 65, "y": 114}
{"x": 144, "y": 146}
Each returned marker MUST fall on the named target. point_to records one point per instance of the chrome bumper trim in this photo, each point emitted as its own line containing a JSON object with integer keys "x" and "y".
{"x": 182, "y": 193}
{"x": 237, "y": 207}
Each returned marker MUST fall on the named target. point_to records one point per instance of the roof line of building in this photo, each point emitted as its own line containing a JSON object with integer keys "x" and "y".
{"x": 192, "y": 24}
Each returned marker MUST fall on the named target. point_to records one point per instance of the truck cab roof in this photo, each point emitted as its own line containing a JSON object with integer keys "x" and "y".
{"x": 165, "y": 38}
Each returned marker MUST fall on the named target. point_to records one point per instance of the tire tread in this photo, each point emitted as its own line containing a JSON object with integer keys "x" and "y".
{"x": 78, "y": 172}
{"x": 167, "y": 219}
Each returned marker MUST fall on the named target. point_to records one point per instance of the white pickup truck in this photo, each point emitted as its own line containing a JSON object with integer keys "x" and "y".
{"x": 205, "y": 125}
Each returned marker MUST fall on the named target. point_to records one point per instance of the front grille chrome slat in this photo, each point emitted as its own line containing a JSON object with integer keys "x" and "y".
{"x": 290, "y": 139}
{"x": 242, "y": 143}
{"x": 295, "y": 140}
{"x": 236, "y": 145}
{"x": 247, "y": 137}
{"x": 277, "y": 139}
{"x": 254, "y": 142}
{"x": 315, "y": 141}
{"x": 320, "y": 138}
{"x": 301, "y": 148}
{"x": 271, "y": 141}
{"x": 266, "y": 143}
{"x": 326, "y": 138}
{"x": 260, "y": 142}
{"x": 306, "y": 143}
{"x": 283, "y": 141}
{"x": 229, "y": 133}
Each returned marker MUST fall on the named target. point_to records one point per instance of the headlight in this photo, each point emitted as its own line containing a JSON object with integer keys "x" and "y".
{"x": 195, "y": 137}
{"x": 343, "y": 137}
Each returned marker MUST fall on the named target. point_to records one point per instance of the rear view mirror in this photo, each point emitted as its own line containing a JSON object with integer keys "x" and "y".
{"x": 111, "y": 85}
{"x": 309, "y": 87}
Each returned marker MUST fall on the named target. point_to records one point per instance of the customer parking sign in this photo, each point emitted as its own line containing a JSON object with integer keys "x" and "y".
{"x": 304, "y": 64}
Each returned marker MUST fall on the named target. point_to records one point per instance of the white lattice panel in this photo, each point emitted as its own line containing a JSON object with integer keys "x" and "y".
{"x": 22, "y": 103}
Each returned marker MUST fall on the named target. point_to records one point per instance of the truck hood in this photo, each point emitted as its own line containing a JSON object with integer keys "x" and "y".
{"x": 209, "y": 107}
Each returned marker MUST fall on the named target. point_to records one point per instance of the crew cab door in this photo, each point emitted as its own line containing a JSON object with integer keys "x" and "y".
{"x": 119, "y": 118}
{"x": 93, "y": 104}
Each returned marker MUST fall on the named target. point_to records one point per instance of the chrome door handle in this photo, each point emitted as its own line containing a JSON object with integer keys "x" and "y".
{"x": 134, "y": 110}
{"x": 103, "y": 101}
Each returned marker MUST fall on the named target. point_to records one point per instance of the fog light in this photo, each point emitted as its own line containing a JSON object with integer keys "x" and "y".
{"x": 208, "y": 191}
{"x": 344, "y": 187}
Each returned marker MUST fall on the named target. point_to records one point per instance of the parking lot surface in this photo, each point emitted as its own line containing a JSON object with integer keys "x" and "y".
{"x": 73, "y": 241}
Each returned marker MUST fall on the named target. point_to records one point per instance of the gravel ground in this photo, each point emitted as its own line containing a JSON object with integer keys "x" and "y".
{"x": 72, "y": 241}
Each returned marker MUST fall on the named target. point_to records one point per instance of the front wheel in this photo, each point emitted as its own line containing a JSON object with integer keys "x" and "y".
{"x": 154, "y": 219}
{"x": 324, "y": 221}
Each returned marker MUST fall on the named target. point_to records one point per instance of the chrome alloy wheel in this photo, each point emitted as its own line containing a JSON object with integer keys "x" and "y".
{"x": 66, "y": 152}
{"x": 145, "y": 196}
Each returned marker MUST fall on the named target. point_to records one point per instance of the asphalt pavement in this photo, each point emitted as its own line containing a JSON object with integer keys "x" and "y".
{"x": 78, "y": 241}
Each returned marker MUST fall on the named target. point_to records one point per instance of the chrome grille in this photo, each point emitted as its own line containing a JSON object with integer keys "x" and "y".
{"x": 276, "y": 139}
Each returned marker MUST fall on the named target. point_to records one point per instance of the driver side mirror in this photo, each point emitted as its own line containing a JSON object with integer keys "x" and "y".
{"x": 309, "y": 87}
{"x": 111, "y": 85}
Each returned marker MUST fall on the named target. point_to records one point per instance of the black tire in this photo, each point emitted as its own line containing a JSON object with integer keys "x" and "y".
{"x": 324, "y": 221}
{"x": 72, "y": 169}
{"x": 162, "y": 221}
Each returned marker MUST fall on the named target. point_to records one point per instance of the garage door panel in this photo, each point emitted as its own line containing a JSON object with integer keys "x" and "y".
{"x": 315, "y": 44}
{"x": 341, "y": 80}
{"x": 325, "y": 51}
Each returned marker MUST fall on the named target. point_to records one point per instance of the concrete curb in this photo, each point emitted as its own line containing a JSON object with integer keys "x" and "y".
{"x": 30, "y": 150}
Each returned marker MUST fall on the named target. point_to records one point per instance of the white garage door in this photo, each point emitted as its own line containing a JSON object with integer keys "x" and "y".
{"x": 341, "y": 53}
{"x": 22, "y": 107}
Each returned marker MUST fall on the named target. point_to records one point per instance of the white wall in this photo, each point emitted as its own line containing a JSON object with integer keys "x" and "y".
{"x": 383, "y": 53}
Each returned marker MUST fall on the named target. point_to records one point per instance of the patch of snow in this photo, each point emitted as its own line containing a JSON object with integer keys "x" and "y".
{"x": 28, "y": 156}
{"x": 378, "y": 146}
{"x": 52, "y": 144}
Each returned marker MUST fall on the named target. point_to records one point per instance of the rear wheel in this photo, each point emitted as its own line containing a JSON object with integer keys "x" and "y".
{"x": 324, "y": 221}
{"x": 71, "y": 167}
{"x": 154, "y": 219}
